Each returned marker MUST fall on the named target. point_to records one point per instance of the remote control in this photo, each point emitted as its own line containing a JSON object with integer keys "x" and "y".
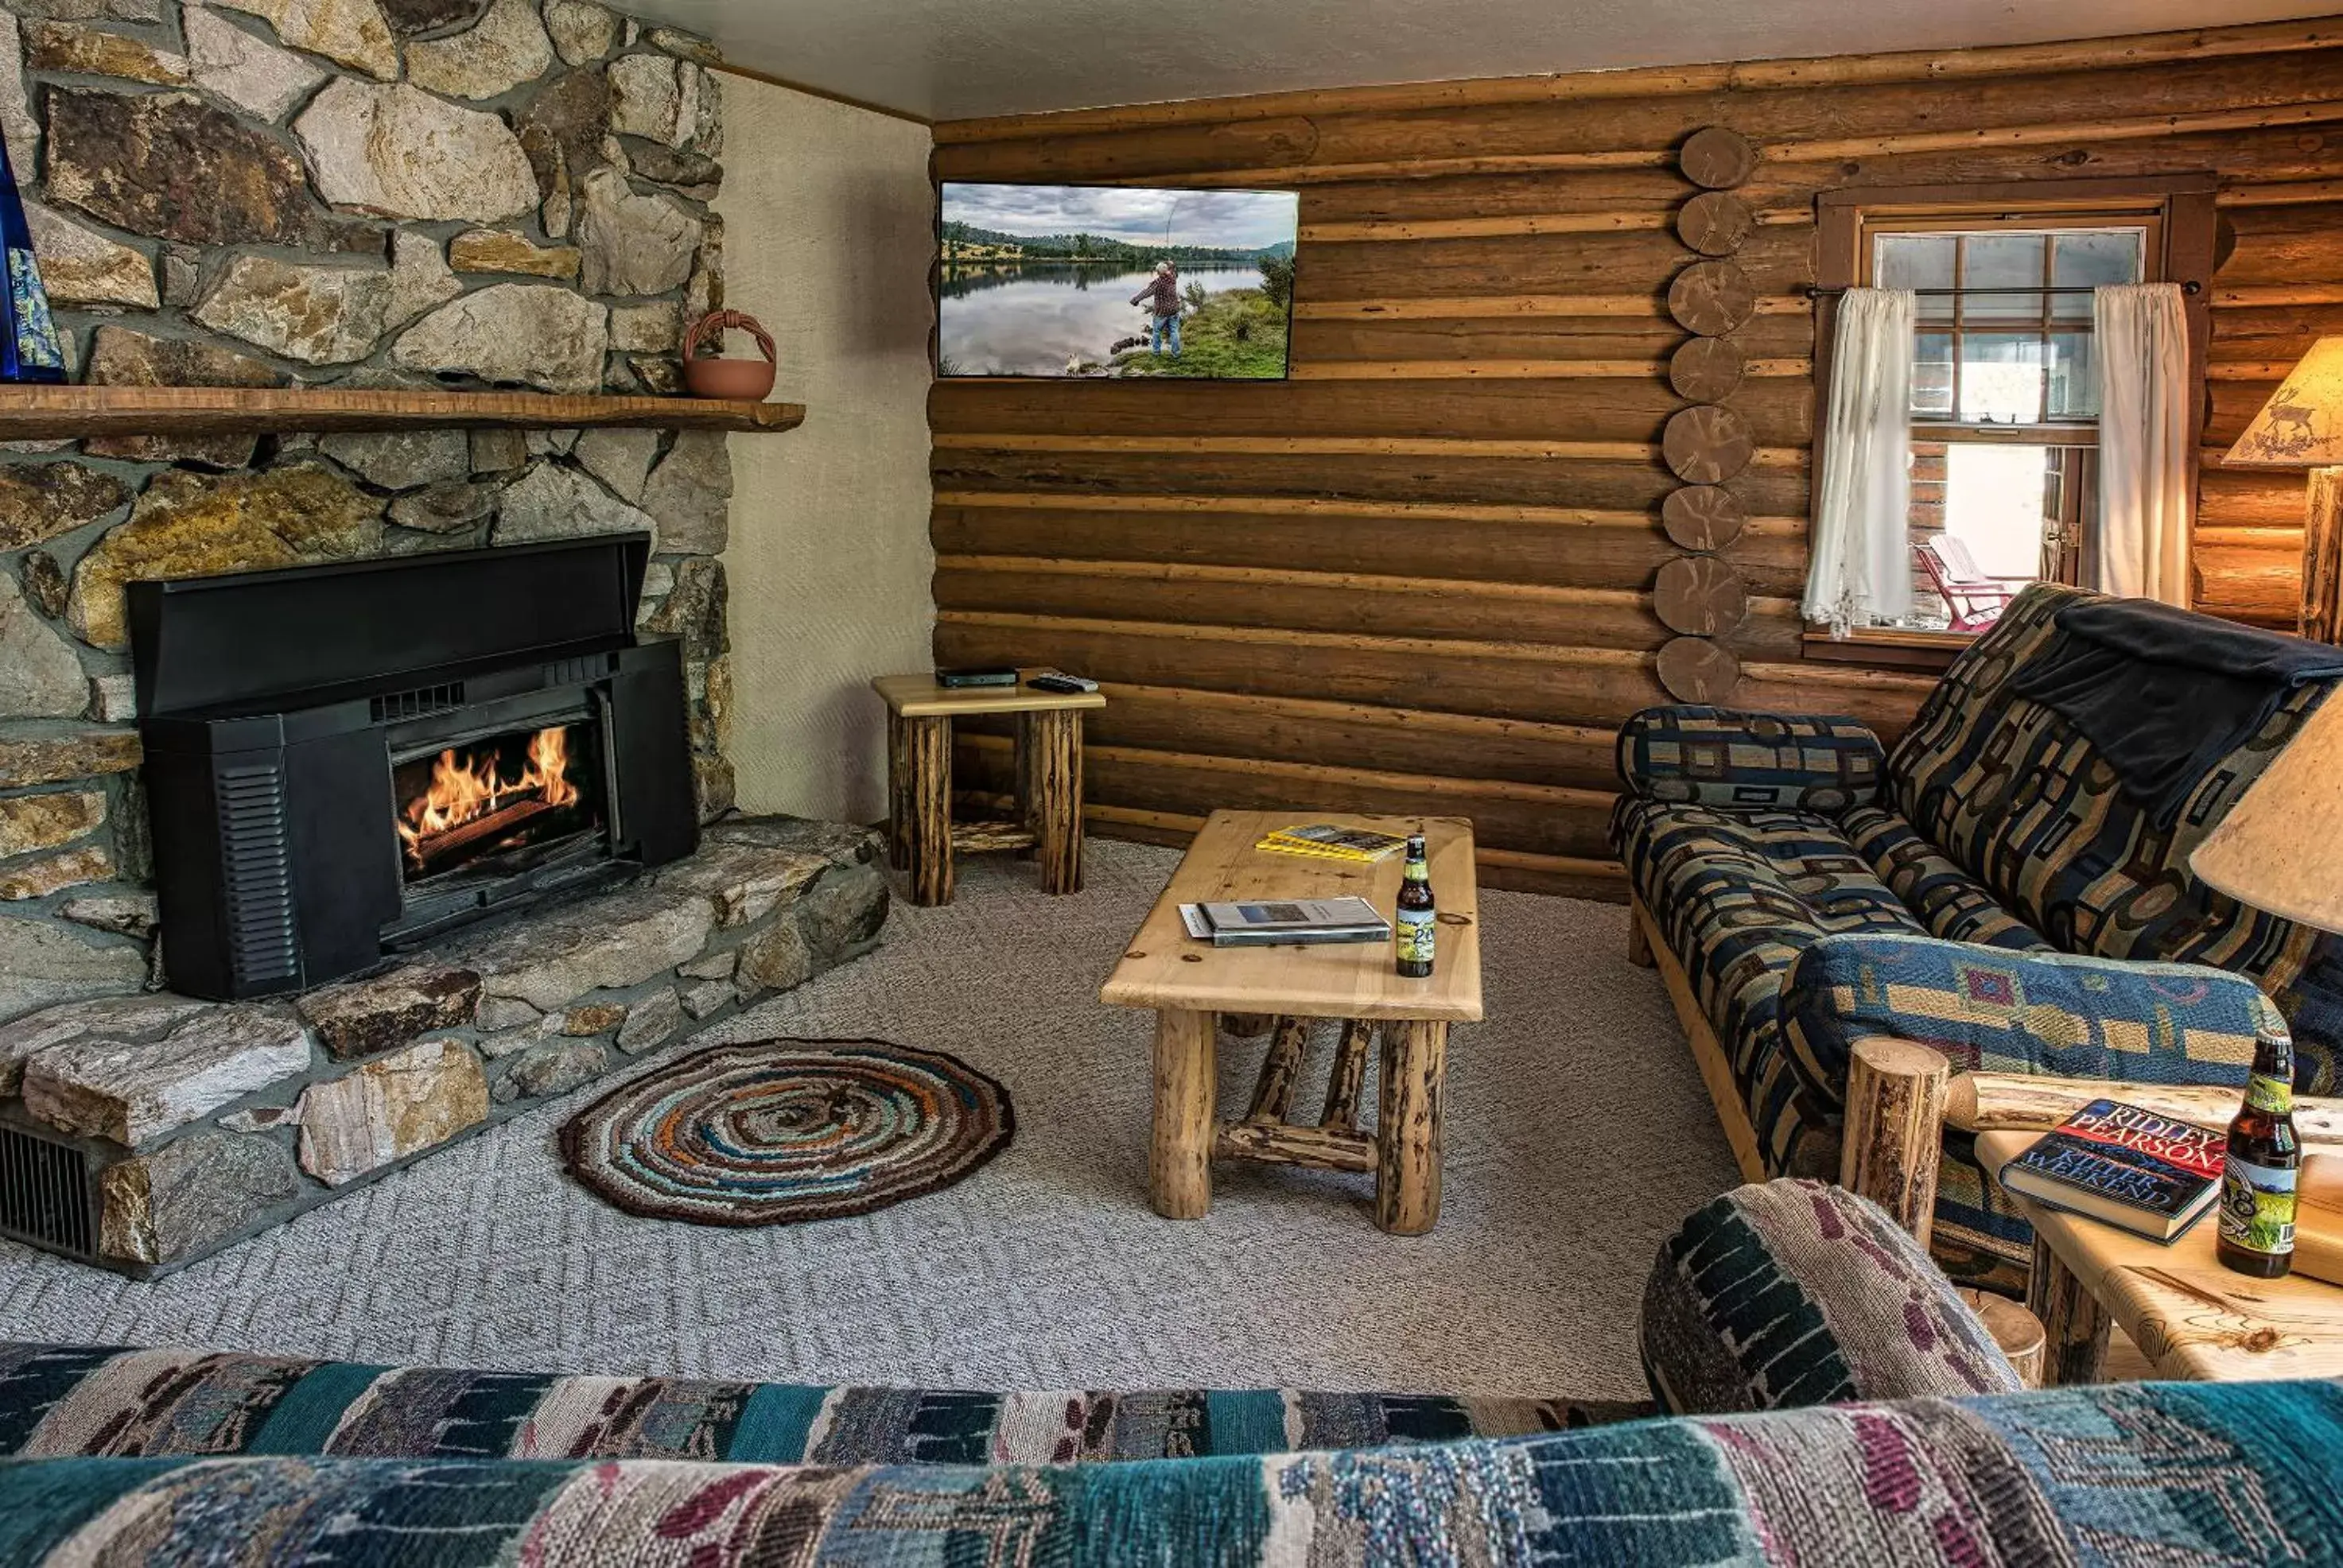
{"x": 1062, "y": 683}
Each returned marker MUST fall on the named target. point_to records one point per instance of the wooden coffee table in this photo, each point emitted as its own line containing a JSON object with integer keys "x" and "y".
{"x": 1190, "y": 984}
{"x": 2189, "y": 1316}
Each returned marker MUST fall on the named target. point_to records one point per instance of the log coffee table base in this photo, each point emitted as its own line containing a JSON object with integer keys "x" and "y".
{"x": 1404, "y": 1151}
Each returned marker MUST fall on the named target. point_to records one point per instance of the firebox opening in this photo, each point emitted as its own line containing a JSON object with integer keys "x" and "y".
{"x": 501, "y": 803}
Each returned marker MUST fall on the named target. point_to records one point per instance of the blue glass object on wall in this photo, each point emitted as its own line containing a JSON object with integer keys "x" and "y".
{"x": 30, "y": 349}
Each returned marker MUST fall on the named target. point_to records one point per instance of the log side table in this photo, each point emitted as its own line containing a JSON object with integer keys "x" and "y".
{"x": 921, "y": 837}
{"x": 2189, "y": 1316}
{"x": 1193, "y": 986}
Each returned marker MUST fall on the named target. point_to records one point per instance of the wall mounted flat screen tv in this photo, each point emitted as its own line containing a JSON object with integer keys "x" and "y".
{"x": 1104, "y": 282}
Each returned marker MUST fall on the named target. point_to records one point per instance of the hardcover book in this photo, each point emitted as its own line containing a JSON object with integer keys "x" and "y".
{"x": 2131, "y": 1168}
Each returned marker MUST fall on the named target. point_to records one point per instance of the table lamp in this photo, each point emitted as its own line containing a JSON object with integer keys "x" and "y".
{"x": 2274, "y": 850}
{"x": 2301, "y": 426}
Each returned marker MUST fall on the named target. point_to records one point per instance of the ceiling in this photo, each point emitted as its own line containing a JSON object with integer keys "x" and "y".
{"x": 951, "y": 59}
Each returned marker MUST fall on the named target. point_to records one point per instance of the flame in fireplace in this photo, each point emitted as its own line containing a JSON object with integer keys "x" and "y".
{"x": 468, "y": 786}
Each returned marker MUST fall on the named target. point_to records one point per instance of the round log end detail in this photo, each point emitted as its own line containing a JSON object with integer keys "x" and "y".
{"x": 1712, "y": 298}
{"x": 1706, "y": 370}
{"x": 1699, "y": 596}
{"x": 1708, "y": 445}
{"x": 1717, "y": 159}
{"x": 1703, "y": 516}
{"x": 1715, "y": 223}
{"x": 1694, "y": 669}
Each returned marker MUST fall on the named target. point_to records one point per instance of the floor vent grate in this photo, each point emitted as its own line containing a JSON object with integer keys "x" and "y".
{"x": 45, "y": 1196}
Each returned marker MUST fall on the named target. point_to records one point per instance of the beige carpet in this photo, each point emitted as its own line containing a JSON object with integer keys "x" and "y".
{"x": 1578, "y": 1136}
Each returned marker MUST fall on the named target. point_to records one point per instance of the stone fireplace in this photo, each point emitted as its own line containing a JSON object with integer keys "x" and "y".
{"x": 345, "y": 761}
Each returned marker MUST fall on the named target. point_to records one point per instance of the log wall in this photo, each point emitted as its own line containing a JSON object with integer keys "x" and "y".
{"x": 1421, "y": 574}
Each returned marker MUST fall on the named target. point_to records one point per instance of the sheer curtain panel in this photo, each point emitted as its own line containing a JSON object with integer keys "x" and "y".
{"x": 2143, "y": 523}
{"x": 1861, "y": 569}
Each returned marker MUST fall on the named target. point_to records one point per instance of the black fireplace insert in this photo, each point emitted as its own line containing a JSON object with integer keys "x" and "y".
{"x": 343, "y": 761}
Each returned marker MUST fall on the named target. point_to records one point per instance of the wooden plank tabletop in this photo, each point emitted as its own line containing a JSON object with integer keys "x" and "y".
{"x": 2190, "y": 1316}
{"x": 1164, "y": 967}
{"x": 919, "y": 696}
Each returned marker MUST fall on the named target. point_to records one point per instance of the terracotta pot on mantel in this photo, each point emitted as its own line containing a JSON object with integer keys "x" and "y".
{"x": 750, "y": 380}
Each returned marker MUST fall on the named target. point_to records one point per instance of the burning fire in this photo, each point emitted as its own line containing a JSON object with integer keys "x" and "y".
{"x": 467, "y": 787}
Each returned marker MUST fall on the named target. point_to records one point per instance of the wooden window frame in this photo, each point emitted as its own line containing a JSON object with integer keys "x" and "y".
{"x": 2182, "y": 244}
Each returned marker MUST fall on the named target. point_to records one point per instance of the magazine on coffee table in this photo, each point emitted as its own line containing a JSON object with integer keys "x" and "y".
{"x": 1265, "y": 922}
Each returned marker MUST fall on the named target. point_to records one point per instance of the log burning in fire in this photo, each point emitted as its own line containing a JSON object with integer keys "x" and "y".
{"x": 470, "y": 799}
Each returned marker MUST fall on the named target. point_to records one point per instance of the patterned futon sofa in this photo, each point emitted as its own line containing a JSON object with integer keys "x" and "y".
{"x": 1988, "y": 887}
{"x": 1770, "y": 1301}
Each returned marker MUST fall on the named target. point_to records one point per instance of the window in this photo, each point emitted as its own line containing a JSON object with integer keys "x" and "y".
{"x": 2005, "y": 395}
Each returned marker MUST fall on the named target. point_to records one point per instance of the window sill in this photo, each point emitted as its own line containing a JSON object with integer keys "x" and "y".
{"x": 1882, "y": 647}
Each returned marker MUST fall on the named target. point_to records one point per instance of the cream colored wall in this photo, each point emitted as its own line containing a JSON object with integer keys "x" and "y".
{"x": 829, "y": 228}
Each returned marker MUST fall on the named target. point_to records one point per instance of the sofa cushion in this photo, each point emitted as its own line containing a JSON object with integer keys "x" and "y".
{"x": 57, "y": 1401}
{"x": 1952, "y": 903}
{"x": 2014, "y": 795}
{"x": 1694, "y": 755}
{"x": 1994, "y": 1011}
{"x": 1789, "y": 1293}
{"x": 1738, "y": 895}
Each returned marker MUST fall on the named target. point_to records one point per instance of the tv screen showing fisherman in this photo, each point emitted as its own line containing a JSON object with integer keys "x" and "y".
{"x": 1111, "y": 281}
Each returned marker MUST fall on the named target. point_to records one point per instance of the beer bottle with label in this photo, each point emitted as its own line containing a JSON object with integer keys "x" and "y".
{"x": 1415, "y": 924}
{"x": 2258, "y": 1182}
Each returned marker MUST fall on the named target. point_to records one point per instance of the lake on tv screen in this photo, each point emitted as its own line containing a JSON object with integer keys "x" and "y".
{"x": 1058, "y": 281}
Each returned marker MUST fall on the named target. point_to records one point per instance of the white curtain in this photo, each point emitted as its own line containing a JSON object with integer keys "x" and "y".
{"x": 2143, "y": 348}
{"x": 1861, "y": 566}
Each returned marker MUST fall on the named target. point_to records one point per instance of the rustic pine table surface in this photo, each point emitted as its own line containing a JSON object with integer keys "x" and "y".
{"x": 2189, "y": 1316}
{"x": 1192, "y": 985}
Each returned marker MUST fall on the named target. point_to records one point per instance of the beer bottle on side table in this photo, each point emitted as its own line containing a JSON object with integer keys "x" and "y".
{"x": 2258, "y": 1182}
{"x": 1415, "y": 925}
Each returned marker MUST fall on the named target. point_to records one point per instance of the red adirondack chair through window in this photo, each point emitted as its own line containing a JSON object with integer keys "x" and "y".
{"x": 1976, "y": 599}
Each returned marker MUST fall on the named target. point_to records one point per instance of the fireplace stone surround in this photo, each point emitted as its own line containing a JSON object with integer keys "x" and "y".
{"x": 428, "y": 855}
{"x": 144, "y": 1131}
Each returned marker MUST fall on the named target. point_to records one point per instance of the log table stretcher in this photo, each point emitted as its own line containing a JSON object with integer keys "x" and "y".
{"x": 1197, "y": 989}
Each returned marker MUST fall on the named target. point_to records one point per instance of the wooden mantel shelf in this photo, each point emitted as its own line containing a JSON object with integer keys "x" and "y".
{"x": 48, "y": 413}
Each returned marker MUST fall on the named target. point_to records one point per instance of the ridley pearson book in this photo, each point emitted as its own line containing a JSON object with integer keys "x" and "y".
{"x": 2131, "y": 1168}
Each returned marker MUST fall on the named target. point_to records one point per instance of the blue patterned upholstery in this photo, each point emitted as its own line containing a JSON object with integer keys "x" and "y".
{"x": 1992, "y": 1011}
{"x": 1750, "y": 761}
{"x": 1950, "y": 902}
{"x": 1995, "y": 827}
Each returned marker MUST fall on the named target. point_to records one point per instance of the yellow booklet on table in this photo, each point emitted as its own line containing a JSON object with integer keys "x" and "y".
{"x": 1332, "y": 842}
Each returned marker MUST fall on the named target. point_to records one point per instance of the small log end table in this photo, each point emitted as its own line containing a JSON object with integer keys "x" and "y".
{"x": 921, "y": 837}
{"x": 2189, "y": 1316}
{"x": 1196, "y": 989}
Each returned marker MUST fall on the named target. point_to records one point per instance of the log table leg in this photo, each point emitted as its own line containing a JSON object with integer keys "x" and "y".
{"x": 899, "y": 796}
{"x": 1407, "y": 1138}
{"x": 927, "y": 795}
{"x": 2016, "y": 1331}
{"x": 1050, "y": 774}
{"x": 1179, "y": 1153}
{"x": 1272, "y": 1094}
{"x": 1895, "y": 1129}
{"x": 1350, "y": 1070}
{"x": 2073, "y": 1328}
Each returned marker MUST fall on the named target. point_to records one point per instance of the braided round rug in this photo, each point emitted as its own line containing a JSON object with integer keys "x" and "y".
{"x": 777, "y": 1131}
